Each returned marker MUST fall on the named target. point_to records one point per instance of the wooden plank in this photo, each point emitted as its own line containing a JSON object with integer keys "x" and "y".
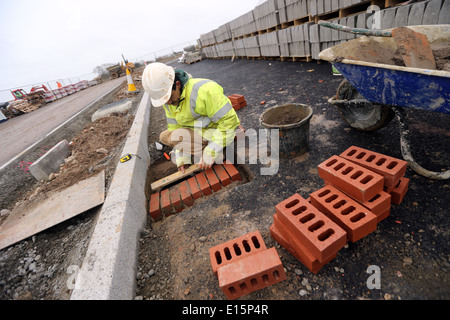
{"x": 78, "y": 198}
{"x": 174, "y": 177}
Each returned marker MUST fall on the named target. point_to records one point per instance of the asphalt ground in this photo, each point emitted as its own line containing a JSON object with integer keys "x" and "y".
{"x": 410, "y": 247}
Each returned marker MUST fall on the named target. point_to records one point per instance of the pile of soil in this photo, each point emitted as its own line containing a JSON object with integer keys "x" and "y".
{"x": 441, "y": 52}
{"x": 92, "y": 150}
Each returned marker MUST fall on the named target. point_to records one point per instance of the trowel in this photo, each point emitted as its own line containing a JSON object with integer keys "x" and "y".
{"x": 414, "y": 47}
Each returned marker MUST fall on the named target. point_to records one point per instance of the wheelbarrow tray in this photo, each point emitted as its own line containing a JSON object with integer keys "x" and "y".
{"x": 368, "y": 63}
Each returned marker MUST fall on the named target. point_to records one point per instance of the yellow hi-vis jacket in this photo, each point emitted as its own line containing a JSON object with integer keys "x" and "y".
{"x": 203, "y": 107}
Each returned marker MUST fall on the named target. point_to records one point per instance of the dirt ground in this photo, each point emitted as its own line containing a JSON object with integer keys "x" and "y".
{"x": 410, "y": 246}
{"x": 37, "y": 268}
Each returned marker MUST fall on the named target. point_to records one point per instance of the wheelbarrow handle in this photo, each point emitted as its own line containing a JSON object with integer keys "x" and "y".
{"x": 365, "y": 32}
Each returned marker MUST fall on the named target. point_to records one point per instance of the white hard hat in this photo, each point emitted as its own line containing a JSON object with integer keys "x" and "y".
{"x": 157, "y": 80}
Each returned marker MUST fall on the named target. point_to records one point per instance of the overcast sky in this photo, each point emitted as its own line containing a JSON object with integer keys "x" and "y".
{"x": 48, "y": 40}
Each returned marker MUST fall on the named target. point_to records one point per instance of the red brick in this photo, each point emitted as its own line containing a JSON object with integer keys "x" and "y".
{"x": 379, "y": 203}
{"x": 232, "y": 171}
{"x": 236, "y": 249}
{"x": 166, "y": 207}
{"x": 155, "y": 210}
{"x": 350, "y": 215}
{"x": 213, "y": 180}
{"x": 203, "y": 183}
{"x": 358, "y": 182}
{"x": 185, "y": 194}
{"x": 236, "y": 98}
{"x": 384, "y": 215}
{"x": 251, "y": 273}
{"x": 388, "y": 189}
{"x": 281, "y": 234}
{"x": 193, "y": 186}
{"x": 222, "y": 174}
{"x": 399, "y": 191}
{"x": 314, "y": 229}
{"x": 392, "y": 169}
{"x": 175, "y": 198}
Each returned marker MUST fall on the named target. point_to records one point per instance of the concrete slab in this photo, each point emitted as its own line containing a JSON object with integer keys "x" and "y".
{"x": 444, "y": 14}
{"x": 327, "y": 6}
{"x": 388, "y": 18}
{"x": 351, "y": 23}
{"x": 50, "y": 161}
{"x": 22, "y": 223}
{"x": 313, "y": 7}
{"x": 401, "y": 16}
{"x": 431, "y": 14}
{"x": 416, "y": 14}
{"x": 123, "y": 106}
{"x": 325, "y": 34}
{"x": 320, "y": 7}
{"x": 314, "y": 35}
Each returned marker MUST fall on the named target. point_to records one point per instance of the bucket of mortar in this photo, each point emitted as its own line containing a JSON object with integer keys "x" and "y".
{"x": 292, "y": 121}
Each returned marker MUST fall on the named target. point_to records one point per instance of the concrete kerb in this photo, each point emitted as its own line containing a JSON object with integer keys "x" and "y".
{"x": 108, "y": 271}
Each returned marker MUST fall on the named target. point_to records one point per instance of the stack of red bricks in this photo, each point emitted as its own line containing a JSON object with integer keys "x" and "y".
{"x": 360, "y": 186}
{"x": 182, "y": 195}
{"x": 237, "y": 101}
{"x": 244, "y": 265}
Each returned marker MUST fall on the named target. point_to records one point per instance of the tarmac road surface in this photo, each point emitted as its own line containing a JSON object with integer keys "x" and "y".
{"x": 19, "y": 133}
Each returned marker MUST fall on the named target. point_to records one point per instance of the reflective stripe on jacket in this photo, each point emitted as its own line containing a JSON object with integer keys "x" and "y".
{"x": 202, "y": 107}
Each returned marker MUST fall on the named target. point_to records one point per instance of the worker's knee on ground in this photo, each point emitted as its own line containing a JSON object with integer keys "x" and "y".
{"x": 180, "y": 135}
{"x": 164, "y": 137}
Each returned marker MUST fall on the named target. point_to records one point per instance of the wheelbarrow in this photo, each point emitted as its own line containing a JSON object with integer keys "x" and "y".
{"x": 377, "y": 86}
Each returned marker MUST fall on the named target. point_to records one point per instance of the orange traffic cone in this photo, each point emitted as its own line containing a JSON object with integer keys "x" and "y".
{"x": 131, "y": 86}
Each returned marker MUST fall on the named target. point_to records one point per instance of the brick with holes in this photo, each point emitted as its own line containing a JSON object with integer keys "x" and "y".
{"x": 350, "y": 215}
{"x": 237, "y": 101}
{"x": 379, "y": 204}
{"x": 314, "y": 229}
{"x": 392, "y": 169}
{"x": 281, "y": 234}
{"x": 358, "y": 182}
{"x": 238, "y": 248}
{"x": 384, "y": 215}
{"x": 251, "y": 273}
{"x": 236, "y": 98}
{"x": 399, "y": 191}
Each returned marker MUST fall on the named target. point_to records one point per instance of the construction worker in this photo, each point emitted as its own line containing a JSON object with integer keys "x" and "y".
{"x": 200, "y": 118}
{"x": 59, "y": 84}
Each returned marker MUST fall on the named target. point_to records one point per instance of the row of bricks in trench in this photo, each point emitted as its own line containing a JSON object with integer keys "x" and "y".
{"x": 182, "y": 195}
{"x": 360, "y": 186}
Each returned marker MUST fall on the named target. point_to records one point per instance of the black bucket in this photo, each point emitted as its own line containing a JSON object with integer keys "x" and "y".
{"x": 292, "y": 121}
